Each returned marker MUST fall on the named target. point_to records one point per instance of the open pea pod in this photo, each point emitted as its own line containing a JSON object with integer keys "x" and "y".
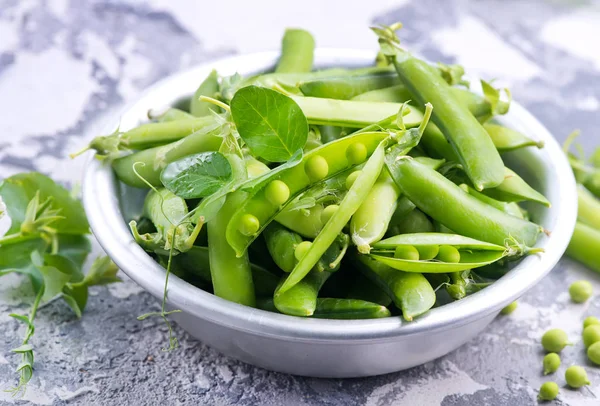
{"x": 468, "y": 260}
{"x": 427, "y": 239}
{"x": 328, "y": 160}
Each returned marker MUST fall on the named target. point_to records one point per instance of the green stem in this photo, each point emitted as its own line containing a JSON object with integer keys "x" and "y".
{"x": 215, "y": 102}
{"x": 34, "y": 309}
{"x": 17, "y": 238}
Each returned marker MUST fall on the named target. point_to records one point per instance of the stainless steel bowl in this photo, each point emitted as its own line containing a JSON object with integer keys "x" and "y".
{"x": 314, "y": 347}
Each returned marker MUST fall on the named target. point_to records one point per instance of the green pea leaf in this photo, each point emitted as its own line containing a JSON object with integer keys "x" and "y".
{"x": 271, "y": 124}
{"x": 74, "y": 247}
{"x": 197, "y": 175}
{"x": 23, "y": 348}
{"x": 56, "y": 271}
{"x": 102, "y": 272}
{"x": 23, "y": 319}
{"x": 18, "y": 190}
{"x": 76, "y": 298}
{"x": 18, "y": 255}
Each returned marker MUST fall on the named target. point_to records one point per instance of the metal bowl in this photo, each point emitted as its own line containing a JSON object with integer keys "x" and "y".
{"x": 317, "y": 347}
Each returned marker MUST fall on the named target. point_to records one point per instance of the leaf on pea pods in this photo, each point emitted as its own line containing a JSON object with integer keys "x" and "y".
{"x": 271, "y": 124}
{"x": 198, "y": 175}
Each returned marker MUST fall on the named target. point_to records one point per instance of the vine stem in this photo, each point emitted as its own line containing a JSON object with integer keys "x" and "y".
{"x": 34, "y": 309}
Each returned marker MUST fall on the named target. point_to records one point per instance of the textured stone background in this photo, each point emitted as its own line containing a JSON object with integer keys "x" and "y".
{"x": 67, "y": 64}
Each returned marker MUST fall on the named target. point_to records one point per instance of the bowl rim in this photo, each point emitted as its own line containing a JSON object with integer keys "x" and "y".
{"x": 103, "y": 210}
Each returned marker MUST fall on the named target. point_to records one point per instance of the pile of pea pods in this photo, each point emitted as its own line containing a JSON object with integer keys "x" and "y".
{"x": 337, "y": 193}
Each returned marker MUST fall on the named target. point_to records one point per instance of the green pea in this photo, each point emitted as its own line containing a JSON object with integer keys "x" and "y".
{"x": 548, "y": 391}
{"x": 591, "y": 335}
{"x": 352, "y": 178}
{"x": 249, "y": 224}
{"x": 580, "y": 291}
{"x": 277, "y": 192}
{"x": 316, "y": 168}
{"x": 302, "y": 249}
{"x": 555, "y": 340}
{"x": 448, "y": 253}
{"x": 551, "y": 363}
{"x": 576, "y": 377}
{"x": 427, "y": 252}
{"x": 356, "y": 153}
{"x": 593, "y": 353}
{"x": 328, "y": 212}
{"x": 509, "y": 308}
{"x": 406, "y": 252}
{"x": 590, "y": 320}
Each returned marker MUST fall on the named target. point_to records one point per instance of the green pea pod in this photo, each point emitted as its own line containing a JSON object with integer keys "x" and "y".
{"x": 209, "y": 87}
{"x": 515, "y": 189}
{"x": 330, "y": 133}
{"x": 166, "y": 211}
{"x": 476, "y": 152}
{"x": 287, "y": 81}
{"x": 301, "y": 299}
{"x": 267, "y": 304}
{"x": 509, "y": 208}
{"x": 281, "y": 244}
{"x": 306, "y": 222}
{"x": 588, "y": 211}
{"x": 231, "y": 274}
{"x": 348, "y": 206}
{"x": 403, "y": 208}
{"x": 457, "y": 289}
{"x": 297, "y": 48}
{"x": 584, "y": 246}
{"x": 427, "y": 239}
{"x": 330, "y": 156}
{"x": 447, "y": 203}
{"x": 512, "y": 189}
{"x": 506, "y": 139}
{"x": 169, "y": 115}
{"x": 150, "y": 135}
{"x": 375, "y": 214}
{"x": 196, "y": 262}
{"x": 333, "y": 255}
{"x": 372, "y": 218}
{"x": 477, "y": 105}
{"x": 349, "y": 309}
{"x": 345, "y": 88}
{"x": 149, "y": 163}
{"x": 393, "y": 94}
{"x": 411, "y": 292}
{"x": 350, "y": 113}
{"x": 469, "y": 260}
{"x": 364, "y": 288}
{"x": 414, "y": 222}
